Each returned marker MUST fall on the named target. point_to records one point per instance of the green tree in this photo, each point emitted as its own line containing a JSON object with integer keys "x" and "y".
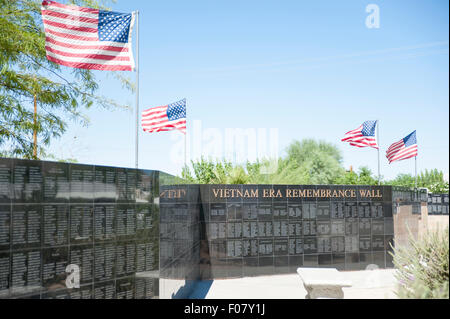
{"x": 208, "y": 172}
{"x": 309, "y": 162}
{"x": 366, "y": 177}
{"x": 432, "y": 179}
{"x": 306, "y": 162}
{"x": 25, "y": 72}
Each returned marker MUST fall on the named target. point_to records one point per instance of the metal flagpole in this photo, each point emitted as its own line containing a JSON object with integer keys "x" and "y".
{"x": 378, "y": 142}
{"x": 137, "y": 89}
{"x": 34, "y": 129}
{"x": 185, "y": 137}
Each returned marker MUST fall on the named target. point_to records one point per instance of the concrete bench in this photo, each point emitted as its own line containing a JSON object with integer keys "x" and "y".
{"x": 323, "y": 282}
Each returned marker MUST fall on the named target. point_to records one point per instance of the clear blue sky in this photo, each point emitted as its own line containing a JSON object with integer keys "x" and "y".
{"x": 312, "y": 69}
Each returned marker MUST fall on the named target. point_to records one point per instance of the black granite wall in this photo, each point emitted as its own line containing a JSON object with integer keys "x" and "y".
{"x": 252, "y": 230}
{"x": 143, "y": 234}
{"x": 282, "y": 228}
{"x": 100, "y": 219}
{"x": 438, "y": 204}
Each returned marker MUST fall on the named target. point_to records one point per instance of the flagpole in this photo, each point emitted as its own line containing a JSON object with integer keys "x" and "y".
{"x": 378, "y": 142}
{"x": 34, "y": 129}
{"x": 137, "y": 90}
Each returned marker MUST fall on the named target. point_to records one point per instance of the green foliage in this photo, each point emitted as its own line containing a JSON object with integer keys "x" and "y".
{"x": 207, "y": 172}
{"x": 306, "y": 162}
{"x": 365, "y": 177}
{"x": 423, "y": 267}
{"x": 309, "y": 162}
{"x": 25, "y": 72}
{"x": 431, "y": 179}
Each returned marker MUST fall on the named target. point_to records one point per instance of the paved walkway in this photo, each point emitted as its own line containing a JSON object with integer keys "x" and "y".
{"x": 367, "y": 284}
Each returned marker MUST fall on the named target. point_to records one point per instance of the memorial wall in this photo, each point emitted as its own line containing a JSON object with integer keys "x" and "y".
{"x": 180, "y": 244}
{"x": 438, "y": 204}
{"x": 252, "y": 230}
{"x": 85, "y": 231}
{"x": 77, "y": 231}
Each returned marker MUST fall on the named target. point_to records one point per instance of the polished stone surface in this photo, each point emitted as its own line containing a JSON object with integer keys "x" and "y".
{"x": 256, "y": 230}
{"x": 57, "y": 218}
{"x": 125, "y": 229}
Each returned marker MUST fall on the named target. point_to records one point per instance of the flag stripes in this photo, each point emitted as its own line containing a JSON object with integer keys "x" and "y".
{"x": 403, "y": 149}
{"x": 362, "y": 136}
{"x": 87, "y": 38}
{"x": 165, "y": 118}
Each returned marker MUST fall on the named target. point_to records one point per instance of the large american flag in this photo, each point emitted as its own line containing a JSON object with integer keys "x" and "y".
{"x": 87, "y": 38}
{"x": 363, "y": 136}
{"x": 403, "y": 149}
{"x": 165, "y": 118}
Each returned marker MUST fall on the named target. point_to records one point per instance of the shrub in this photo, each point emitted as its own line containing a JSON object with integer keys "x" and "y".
{"x": 422, "y": 267}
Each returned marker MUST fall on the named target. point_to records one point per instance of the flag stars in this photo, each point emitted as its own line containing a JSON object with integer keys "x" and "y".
{"x": 114, "y": 26}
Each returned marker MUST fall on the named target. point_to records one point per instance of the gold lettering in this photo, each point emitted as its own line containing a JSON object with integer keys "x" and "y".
{"x": 335, "y": 193}
{"x": 322, "y": 193}
{"x": 315, "y": 193}
{"x": 216, "y": 192}
{"x": 364, "y": 193}
{"x": 254, "y": 192}
{"x": 353, "y": 193}
{"x": 328, "y": 192}
{"x": 239, "y": 193}
{"x": 279, "y": 194}
{"x": 301, "y": 193}
{"x": 288, "y": 193}
{"x": 309, "y": 193}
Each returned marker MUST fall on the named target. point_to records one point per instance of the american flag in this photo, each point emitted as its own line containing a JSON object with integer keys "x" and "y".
{"x": 363, "y": 136}
{"x": 403, "y": 149}
{"x": 86, "y": 38}
{"x": 165, "y": 118}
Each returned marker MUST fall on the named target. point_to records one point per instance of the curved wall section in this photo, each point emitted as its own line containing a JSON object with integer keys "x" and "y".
{"x": 88, "y": 231}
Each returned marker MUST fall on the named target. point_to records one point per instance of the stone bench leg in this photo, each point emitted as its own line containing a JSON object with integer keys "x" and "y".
{"x": 335, "y": 292}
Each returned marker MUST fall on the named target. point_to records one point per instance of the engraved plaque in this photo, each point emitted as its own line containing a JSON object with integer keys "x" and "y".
{"x": 265, "y": 247}
{"x": 323, "y": 228}
{"x": 295, "y": 228}
{"x": 280, "y": 246}
{"x": 323, "y": 245}
{"x": 338, "y": 227}
{"x": 310, "y": 245}
{"x": 295, "y": 211}
{"x": 295, "y": 246}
